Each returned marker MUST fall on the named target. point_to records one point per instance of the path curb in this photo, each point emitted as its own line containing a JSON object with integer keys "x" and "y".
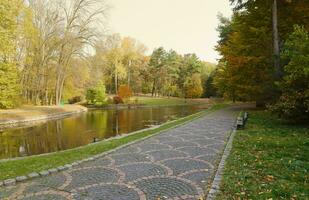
{"x": 215, "y": 185}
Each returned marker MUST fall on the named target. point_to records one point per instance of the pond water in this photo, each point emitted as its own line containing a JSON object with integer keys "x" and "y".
{"x": 79, "y": 130}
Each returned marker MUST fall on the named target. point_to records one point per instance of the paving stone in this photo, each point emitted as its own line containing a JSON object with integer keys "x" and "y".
{"x": 21, "y": 178}
{"x": 109, "y": 192}
{"x": 156, "y": 188}
{"x": 33, "y": 175}
{"x": 1, "y": 183}
{"x": 53, "y": 170}
{"x": 61, "y": 168}
{"x": 68, "y": 166}
{"x": 89, "y": 176}
{"x": 9, "y": 182}
{"x": 44, "y": 173}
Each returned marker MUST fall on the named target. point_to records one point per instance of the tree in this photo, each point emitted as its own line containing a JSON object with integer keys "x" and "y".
{"x": 172, "y": 65}
{"x": 113, "y": 56}
{"x": 209, "y": 88}
{"x": 97, "y": 94}
{"x": 54, "y": 35}
{"x": 276, "y": 50}
{"x": 190, "y": 65}
{"x": 157, "y": 65}
{"x": 79, "y": 21}
{"x": 124, "y": 91}
{"x": 9, "y": 87}
{"x": 193, "y": 86}
{"x": 293, "y": 104}
{"x": 132, "y": 52}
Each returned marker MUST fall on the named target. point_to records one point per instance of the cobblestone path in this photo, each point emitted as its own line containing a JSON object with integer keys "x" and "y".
{"x": 176, "y": 164}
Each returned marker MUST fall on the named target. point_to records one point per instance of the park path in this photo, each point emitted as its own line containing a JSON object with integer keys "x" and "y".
{"x": 177, "y": 164}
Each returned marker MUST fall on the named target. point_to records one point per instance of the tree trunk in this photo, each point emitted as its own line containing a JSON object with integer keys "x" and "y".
{"x": 153, "y": 87}
{"x": 116, "y": 82}
{"x": 277, "y": 67}
{"x": 129, "y": 73}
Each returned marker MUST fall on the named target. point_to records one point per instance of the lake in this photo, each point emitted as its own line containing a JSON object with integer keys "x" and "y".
{"x": 84, "y": 128}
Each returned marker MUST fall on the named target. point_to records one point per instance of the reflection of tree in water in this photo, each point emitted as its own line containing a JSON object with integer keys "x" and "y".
{"x": 72, "y": 132}
{"x": 58, "y": 134}
{"x": 116, "y": 120}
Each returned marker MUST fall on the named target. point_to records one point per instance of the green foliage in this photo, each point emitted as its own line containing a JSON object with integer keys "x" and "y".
{"x": 193, "y": 86}
{"x": 244, "y": 72}
{"x": 293, "y": 104}
{"x": 247, "y": 69}
{"x": 209, "y": 88}
{"x": 9, "y": 87}
{"x": 96, "y": 95}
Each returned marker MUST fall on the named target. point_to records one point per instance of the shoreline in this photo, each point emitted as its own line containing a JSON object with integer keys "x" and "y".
{"x": 37, "y": 114}
{"x": 77, "y": 109}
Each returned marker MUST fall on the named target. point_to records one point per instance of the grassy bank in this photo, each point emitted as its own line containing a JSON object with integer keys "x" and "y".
{"x": 269, "y": 160}
{"x": 26, "y": 165}
{"x": 165, "y": 101}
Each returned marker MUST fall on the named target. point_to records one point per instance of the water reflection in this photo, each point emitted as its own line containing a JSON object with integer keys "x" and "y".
{"x": 84, "y": 129}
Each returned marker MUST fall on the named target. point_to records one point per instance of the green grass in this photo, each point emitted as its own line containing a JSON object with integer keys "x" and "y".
{"x": 163, "y": 101}
{"x": 13, "y": 168}
{"x": 269, "y": 160}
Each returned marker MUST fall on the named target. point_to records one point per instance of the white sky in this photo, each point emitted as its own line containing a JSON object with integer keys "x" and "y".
{"x": 187, "y": 26}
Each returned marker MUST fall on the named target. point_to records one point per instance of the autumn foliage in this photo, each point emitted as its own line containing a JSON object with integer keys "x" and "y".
{"x": 124, "y": 91}
{"x": 193, "y": 86}
{"x": 117, "y": 100}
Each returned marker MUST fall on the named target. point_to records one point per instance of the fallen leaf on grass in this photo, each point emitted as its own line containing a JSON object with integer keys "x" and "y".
{"x": 269, "y": 178}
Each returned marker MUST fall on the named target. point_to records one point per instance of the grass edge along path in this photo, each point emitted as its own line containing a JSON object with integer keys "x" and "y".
{"x": 269, "y": 160}
{"x": 26, "y": 165}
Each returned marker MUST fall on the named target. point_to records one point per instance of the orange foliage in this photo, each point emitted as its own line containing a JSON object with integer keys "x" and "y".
{"x": 124, "y": 91}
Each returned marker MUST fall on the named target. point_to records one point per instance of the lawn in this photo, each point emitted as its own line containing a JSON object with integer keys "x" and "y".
{"x": 13, "y": 168}
{"x": 269, "y": 160}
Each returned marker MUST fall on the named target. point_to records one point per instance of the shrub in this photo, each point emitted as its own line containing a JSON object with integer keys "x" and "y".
{"x": 124, "y": 91}
{"x": 117, "y": 100}
{"x": 90, "y": 96}
{"x": 293, "y": 104}
{"x": 96, "y": 95}
{"x": 75, "y": 99}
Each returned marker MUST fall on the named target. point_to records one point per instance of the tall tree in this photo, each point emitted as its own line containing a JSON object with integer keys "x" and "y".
{"x": 157, "y": 65}
{"x": 293, "y": 103}
{"x": 240, "y": 4}
{"x": 9, "y": 13}
{"x": 80, "y": 18}
{"x": 247, "y": 47}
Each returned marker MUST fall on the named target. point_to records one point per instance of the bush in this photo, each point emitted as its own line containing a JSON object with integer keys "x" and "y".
{"x": 96, "y": 95}
{"x": 117, "y": 100}
{"x": 75, "y": 99}
{"x": 293, "y": 104}
{"x": 90, "y": 96}
{"x": 124, "y": 92}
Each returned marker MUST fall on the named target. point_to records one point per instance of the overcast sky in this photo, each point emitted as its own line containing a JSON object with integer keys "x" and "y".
{"x": 187, "y": 26}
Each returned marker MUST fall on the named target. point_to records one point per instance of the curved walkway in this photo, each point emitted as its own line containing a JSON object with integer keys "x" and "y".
{"x": 176, "y": 164}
